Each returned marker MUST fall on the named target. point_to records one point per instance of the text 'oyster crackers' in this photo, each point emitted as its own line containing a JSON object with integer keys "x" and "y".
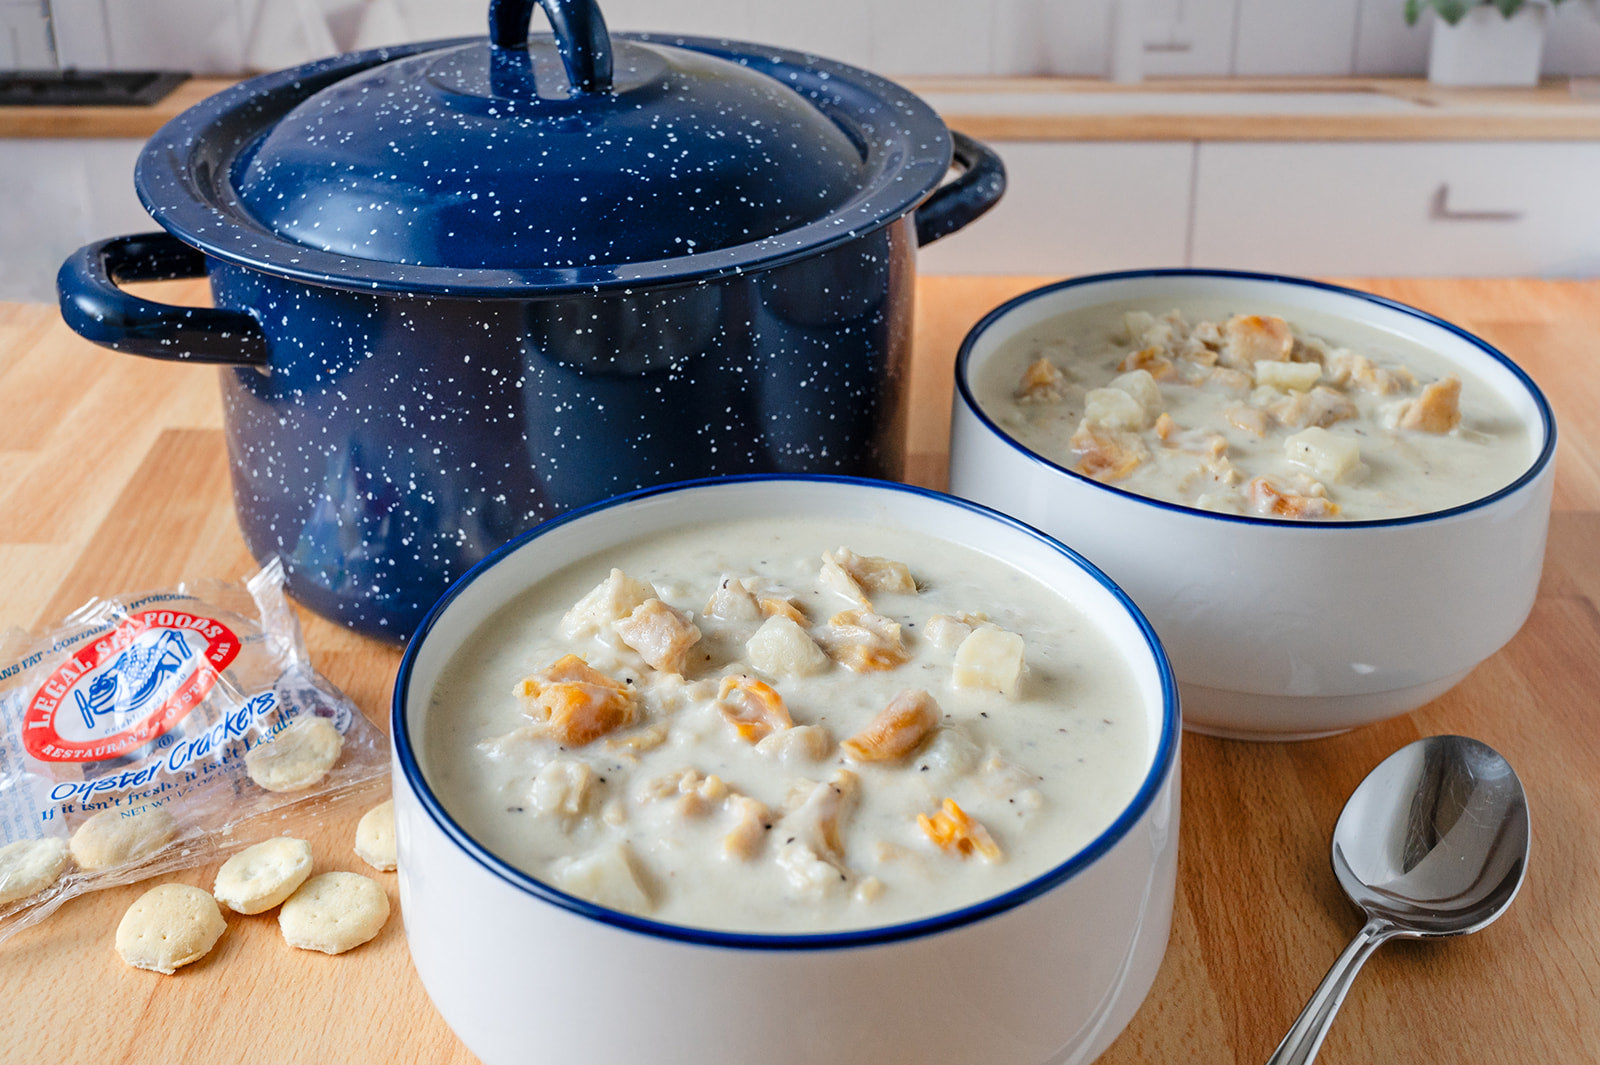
{"x": 134, "y": 736}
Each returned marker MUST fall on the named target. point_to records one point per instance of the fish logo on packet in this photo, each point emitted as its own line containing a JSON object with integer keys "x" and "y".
{"x": 127, "y": 688}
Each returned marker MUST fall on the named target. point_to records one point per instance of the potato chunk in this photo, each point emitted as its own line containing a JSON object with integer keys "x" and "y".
{"x": 1141, "y": 385}
{"x": 1114, "y": 408}
{"x": 577, "y": 703}
{"x": 946, "y": 631}
{"x": 611, "y": 600}
{"x": 1287, "y": 376}
{"x": 1326, "y": 454}
{"x": 897, "y": 730}
{"x": 660, "y": 633}
{"x": 562, "y": 789}
{"x": 732, "y": 600}
{"x": 781, "y": 648}
{"x": 991, "y": 659}
{"x": 605, "y": 876}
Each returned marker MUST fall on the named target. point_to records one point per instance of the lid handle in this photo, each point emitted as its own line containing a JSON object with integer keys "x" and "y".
{"x": 581, "y": 39}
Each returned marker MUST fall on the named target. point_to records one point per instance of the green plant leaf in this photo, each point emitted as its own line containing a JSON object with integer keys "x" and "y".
{"x": 1452, "y": 11}
{"x": 1413, "y": 11}
{"x": 1508, "y": 7}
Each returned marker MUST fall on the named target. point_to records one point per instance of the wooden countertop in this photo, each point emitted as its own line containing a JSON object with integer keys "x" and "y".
{"x": 1184, "y": 109}
{"x": 1261, "y": 109}
{"x": 113, "y": 476}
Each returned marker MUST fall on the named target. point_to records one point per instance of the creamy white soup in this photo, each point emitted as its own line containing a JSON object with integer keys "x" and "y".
{"x": 785, "y": 726}
{"x": 1244, "y": 411}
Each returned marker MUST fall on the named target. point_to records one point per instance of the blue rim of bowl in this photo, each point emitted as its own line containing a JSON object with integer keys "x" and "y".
{"x": 1534, "y": 470}
{"x": 196, "y": 203}
{"x": 1162, "y": 765}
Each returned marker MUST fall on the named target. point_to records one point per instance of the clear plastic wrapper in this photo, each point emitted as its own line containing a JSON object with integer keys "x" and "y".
{"x": 136, "y": 737}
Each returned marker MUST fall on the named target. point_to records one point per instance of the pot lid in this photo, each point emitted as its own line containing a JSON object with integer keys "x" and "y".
{"x": 218, "y": 176}
{"x": 561, "y": 151}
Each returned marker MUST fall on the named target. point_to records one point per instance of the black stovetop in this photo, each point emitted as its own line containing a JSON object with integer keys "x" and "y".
{"x": 86, "y": 88}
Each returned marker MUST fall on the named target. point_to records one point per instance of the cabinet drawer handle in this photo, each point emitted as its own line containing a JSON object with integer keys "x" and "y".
{"x": 1439, "y": 210}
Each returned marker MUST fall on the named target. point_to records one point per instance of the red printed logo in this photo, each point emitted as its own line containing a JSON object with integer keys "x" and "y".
{"x": 128, "y": 687}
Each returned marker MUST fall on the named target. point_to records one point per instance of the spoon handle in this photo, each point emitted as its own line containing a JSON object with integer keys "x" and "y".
{"x": 1306, "y": 1034}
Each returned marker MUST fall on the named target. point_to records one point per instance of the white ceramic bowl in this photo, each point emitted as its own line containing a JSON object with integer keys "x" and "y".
{"x": 1281, "y": 629}
{"x": 1050, "y": 971}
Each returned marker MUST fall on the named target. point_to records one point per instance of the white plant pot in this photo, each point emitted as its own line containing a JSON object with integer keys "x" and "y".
{"x": 1486, "y": 48}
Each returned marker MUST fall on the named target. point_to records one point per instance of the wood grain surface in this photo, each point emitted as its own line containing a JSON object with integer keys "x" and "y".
{"x": 1557, "y": 110}
{"x": 113, "y": 477}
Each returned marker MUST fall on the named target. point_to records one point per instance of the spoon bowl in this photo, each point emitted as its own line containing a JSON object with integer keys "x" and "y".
{"x": 1434, "y": 842}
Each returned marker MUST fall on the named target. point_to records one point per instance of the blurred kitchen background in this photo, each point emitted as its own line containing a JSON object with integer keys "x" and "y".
{"x": 1530, "y": 207}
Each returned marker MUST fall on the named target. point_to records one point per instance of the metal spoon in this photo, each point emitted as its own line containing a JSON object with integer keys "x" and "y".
{"x": 1434, "y": 842}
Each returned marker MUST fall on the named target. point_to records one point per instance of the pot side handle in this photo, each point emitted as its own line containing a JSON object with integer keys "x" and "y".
{"x": 974, "y": 191}
{"x": 96, "y": 308}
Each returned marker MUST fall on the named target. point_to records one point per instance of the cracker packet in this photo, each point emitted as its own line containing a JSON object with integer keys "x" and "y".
{"x": 136, "y": 735}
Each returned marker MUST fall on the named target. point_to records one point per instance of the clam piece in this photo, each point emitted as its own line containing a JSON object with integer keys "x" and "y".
{"x": 1042, "y": 382}
{"x": 1322, "y": 406}
{"x": 873, "y": 574}
{"x": 899, "y": 729}
{"x": 1107, "y": 454}
{"x": 576, "y": 702}
{"x": 1251, "y": 338}
{"x": 810, "y": 848}
{"x": 953, "y": 830}
{"x": 1437, "y": 410}
{"x": 660, "y": 633}
{"x": 1269, "y": 499}
{"x": 753, "y": 708}
{"x": 751, "y": 821}
{"x": 864, "y": 642}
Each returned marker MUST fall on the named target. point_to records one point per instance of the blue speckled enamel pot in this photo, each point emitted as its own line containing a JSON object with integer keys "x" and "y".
{"x": 463, "y": 286}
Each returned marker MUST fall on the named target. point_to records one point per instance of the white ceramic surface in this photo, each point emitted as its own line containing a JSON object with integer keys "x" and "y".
{"x": 1278, "y": 629}
{"x": 1050, "y": 972}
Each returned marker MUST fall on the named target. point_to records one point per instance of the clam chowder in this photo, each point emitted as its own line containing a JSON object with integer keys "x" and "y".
{"x": 1305, "y": 416}
{"x": 780, "y": 726}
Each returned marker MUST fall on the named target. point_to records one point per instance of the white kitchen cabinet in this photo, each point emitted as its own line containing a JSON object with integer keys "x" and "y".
{"x": 1073, "y": 208}
{"x": 25, "y": 36}
{"x": 1272, "y": 37}
{"x": 76, "y": 191}
{"x": 1438, "y": 208}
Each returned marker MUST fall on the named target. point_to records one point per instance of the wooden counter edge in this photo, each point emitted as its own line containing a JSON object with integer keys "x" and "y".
{"x": 1549, "y": 112}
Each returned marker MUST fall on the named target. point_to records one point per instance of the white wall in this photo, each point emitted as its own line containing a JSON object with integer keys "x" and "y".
{"x": 896, "y": 37}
